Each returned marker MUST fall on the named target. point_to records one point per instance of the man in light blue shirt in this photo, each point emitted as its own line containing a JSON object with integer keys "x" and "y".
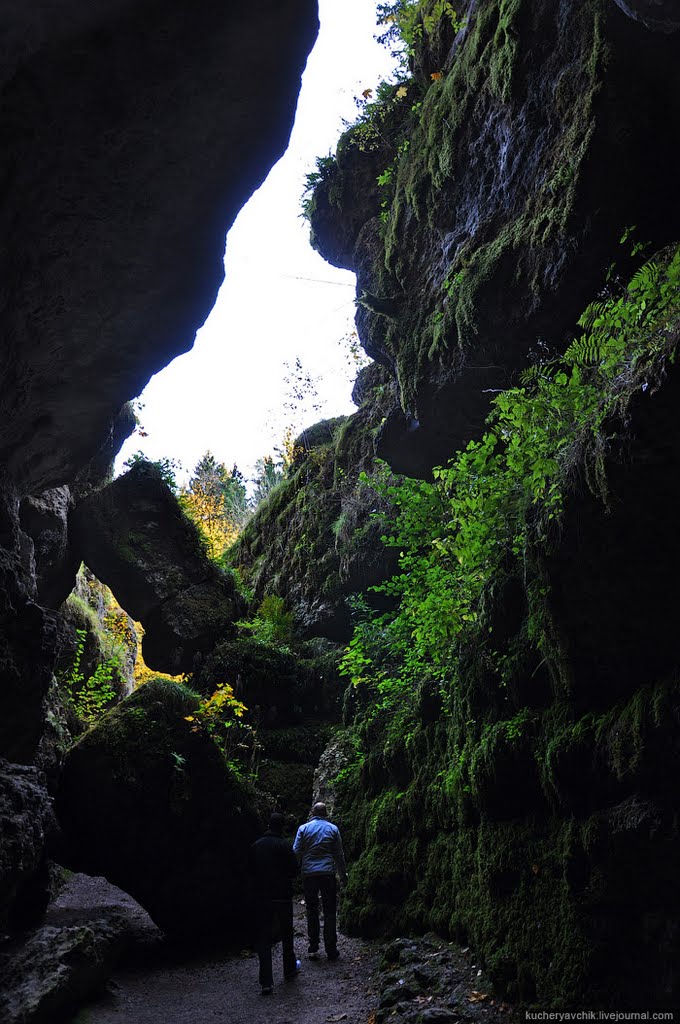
{"x": 318, "y": 848}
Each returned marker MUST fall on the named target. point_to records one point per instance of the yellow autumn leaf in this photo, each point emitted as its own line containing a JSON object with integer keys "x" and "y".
{"x": 477, "y": 997}
{"x": 188, "y": 718}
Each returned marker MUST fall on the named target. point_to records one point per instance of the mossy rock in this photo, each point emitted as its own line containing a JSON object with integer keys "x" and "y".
{"x": 147, "y": 800}
{"x": 289, "y": 786}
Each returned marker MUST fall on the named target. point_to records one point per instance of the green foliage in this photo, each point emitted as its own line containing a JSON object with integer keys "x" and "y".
{"x": 408, "y": 22}
{"x": 168, "y": 468}
{"x": 221, "y": 717}
{"x": 272, "y": 624}
{"x": 351, "y": 769}
{"x": 375, "y": 128}
{"x": 217, "y": 503}
{"x": 505, "y": 491}
{"x": 90, "y": 697}
{"x": 268, "y": 474}
{"x": 325, "y": 165}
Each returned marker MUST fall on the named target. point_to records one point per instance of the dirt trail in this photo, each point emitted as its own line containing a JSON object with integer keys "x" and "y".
{"x": 215, "y": 989}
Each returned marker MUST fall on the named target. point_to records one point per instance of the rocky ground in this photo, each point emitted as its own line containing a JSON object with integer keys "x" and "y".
{"x": 92, "y": 925}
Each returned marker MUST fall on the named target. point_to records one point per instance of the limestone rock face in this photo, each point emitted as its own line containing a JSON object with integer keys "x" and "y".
{"x": 58, "y": 967}
{"x": 131, "y": 133}
{"x": 146, "y": 800}
{"x": 27, "y": 637}
{"x": 71, "y": 954}
{"x": 130, "y": 136}
{"x": 316, "y": 540}
{"x": 26, "y": 820}
{"x": 136, "y": 539}
{"x": 525, "y": 143}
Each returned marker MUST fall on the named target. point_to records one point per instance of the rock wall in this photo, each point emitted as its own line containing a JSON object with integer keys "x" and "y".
{"x": 316, "y": 539}
{"x": 528, "y": 806}
{"x": 511, "y": 160}
{"x": 130, "y": 136}
{"x": 531, "y": 809}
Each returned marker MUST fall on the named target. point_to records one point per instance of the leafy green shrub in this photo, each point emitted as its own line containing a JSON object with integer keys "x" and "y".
{"x": 505, "y": 491}
{"x": 90, "y": 697}
{"x": 271, "y": 624}
{"x": 221, "y": 717}
{"x": 408, "y": 22}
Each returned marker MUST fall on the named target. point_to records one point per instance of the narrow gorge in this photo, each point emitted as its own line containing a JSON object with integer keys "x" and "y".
{"x": 454, "y": 616}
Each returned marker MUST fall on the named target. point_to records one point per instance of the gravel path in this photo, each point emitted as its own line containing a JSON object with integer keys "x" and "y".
{"x": 226, "y": 989}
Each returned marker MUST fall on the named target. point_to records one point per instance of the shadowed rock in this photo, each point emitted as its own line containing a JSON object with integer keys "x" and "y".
{"x": 131, "y": 134}
{"x": 45, "y": 519}
{"x": 146, "y": 800}
{"x": 135, "y": 538}
{"x": 26, "y": 819}
{"x": 657, "y": 15}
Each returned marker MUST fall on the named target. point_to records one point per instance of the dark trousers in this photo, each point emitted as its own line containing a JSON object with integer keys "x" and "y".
{"x": 315, "y": 885}
{"x": 274, "y": 918}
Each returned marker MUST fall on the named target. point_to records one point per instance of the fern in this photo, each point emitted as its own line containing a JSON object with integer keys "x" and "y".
{"x": 593, "y": 314}
{"x": 530, "y": 377}
{"x": 646, "y": 279}
{"x": 585, "y": 351}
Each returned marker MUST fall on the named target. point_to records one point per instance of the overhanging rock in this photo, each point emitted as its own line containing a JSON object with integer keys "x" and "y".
{"x": 135, "y": 538}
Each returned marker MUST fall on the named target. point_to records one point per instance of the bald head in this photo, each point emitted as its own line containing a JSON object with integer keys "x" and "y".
{"x": 319, "y": 811}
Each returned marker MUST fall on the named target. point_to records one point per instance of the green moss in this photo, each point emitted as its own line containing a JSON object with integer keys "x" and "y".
{"x": 289, "y": 786}
{"x": 298, "y": 744}
{"x": 487, "y": 73}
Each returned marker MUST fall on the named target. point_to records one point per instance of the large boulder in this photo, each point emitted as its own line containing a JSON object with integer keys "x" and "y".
{"x": 131, "y": 134}
{"x": 54, "y": 969}
{"x": 146, "y": 799}
{"x": 70, "y": 955}
{"x": 135, "y": 538}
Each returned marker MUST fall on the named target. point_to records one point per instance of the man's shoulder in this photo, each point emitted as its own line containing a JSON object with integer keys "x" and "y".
{"x": 268, "y": 840}
{"x": 325, "y": 826}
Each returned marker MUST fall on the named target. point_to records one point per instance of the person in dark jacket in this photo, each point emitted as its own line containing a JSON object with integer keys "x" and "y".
{"x": 274, "y": 865}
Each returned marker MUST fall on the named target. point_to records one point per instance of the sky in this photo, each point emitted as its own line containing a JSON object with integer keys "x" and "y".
{"x": 280, "y": 301}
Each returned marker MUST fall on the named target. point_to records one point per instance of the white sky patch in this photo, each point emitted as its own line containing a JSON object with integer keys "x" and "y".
{"x": 279, "y": 299}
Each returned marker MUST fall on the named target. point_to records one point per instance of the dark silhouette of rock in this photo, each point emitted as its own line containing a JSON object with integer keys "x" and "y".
{"x": 147, "y": 801}
{"x": 26, "y": 821}
{"x": 45, "y": 519}
{"x": 135, "y": 538}
{"x": 657, "y": 15}
{"x": 28, "y": 636}
{"x": 131, "y": 134}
